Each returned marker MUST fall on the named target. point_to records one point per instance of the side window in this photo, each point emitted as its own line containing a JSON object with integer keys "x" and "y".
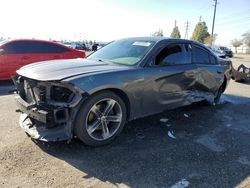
{"x": 174, "y": 54}
{"x": 18, "y": 47}
{"x": 200, "y": 56}
{"x": 44, "y": 47}
{"x": 29, "y": 47}
{"x": 212, "y": 59}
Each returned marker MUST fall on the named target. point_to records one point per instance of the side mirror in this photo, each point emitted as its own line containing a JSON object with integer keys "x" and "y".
{"x": 222, "y": 56}
{"x": 1, "y": 51}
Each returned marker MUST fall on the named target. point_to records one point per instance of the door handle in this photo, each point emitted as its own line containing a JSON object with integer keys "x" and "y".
{"x": 219, "y": 71}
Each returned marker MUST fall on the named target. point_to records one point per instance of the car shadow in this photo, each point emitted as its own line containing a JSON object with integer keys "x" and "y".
{"x": 236, "y": 57}
{"x": 6, "y": 87}
{"x": 144, "y": 155}
{"x": 247, "y": 81}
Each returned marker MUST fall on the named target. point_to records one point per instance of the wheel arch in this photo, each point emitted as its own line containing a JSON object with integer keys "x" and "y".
{"x": 224, "y": 84}
{"x": 122, "y": 95}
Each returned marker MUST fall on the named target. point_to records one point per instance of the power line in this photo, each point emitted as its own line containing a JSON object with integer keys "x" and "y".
{"x": 186, "y": 31}
{"x": 215, "y": 6}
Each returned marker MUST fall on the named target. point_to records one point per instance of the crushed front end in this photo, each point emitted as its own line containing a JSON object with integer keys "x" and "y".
{"x": 48, "y": 109}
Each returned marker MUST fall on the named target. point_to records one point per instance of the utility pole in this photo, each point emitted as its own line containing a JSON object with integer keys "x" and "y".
{"x": 215, "y": 6}
{"x": 186, "y": 32}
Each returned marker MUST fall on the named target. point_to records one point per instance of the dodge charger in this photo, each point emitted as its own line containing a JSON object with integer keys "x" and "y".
{"x": 131, "y": 78}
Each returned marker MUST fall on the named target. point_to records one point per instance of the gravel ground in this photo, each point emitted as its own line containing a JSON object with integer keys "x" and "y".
{"x": 211, "y": 149}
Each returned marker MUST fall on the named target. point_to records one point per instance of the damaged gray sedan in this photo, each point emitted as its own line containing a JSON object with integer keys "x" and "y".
{"x": 127, "y": 79}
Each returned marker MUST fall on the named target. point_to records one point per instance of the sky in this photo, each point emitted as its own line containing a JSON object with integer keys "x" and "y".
{"x": 107, "y": 20}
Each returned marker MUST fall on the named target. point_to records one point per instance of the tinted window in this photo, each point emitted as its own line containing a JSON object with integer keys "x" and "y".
{"x": 174, "y": 54}
{"x": 24, "y": 47}
{"x": 212, "y": 59}
{"x": 200, "y": 56}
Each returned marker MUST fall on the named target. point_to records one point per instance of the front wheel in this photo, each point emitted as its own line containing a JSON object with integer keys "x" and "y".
{"x": 100, "y": 119}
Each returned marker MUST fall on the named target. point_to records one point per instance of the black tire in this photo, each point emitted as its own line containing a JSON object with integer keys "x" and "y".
{"x": 219, "y": 93}
{"x": 83, "y": 115}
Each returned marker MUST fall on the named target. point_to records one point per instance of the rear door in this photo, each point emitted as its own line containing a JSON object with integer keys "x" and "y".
{"x": 210, "y": 74}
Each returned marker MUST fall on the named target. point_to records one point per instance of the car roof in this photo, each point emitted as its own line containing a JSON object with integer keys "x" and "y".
{"x": 32, "y": 40}
{"x": 158, "y": 39}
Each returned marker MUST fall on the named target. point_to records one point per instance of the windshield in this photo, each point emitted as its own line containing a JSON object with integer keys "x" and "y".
{"x": 126, "y": 51}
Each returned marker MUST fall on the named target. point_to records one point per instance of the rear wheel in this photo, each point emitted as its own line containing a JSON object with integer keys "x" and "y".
{"x": 100, "y": 119}
{"x": 218, "y": 96}
{"x": 219, "y": 93}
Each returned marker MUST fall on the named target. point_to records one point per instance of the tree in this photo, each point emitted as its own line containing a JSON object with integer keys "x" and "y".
{"x": 175, "y": 33}
{"x": 158, "y": 33}
{"x": 200, "y": 32}
{"x": 236, "y": 43}
{"x": 210, "y": 39}
{"x": 246, "y": 38}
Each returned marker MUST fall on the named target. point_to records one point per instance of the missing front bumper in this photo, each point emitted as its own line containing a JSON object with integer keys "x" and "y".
{"x": 38, "y": 130}
{"x": 40, "y": 124}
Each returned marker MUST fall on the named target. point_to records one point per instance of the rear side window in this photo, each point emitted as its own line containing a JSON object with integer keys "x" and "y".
{"x": 174, "y": 54}
{"x": 43, "y": 47}
{"x": 200, "y": 56}
{"x": 212, "y": 59}
{"x": 29, "y": 47}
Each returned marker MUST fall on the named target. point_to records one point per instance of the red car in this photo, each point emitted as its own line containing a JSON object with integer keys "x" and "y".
{"x": 17, "y": 53}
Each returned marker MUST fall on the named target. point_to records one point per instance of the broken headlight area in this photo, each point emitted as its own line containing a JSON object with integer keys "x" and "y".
{"x": 61, "y": 94}
{"x": 47, "y": 106}
{"x": 47, "y": 93}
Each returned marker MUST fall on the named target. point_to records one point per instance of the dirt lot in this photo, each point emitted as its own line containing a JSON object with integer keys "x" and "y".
{"x": 211, "y": 149}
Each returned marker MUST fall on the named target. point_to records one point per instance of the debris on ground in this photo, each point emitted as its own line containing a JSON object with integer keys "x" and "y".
{"x": 168, "y": 125}
{"x": 164, "y": 120}
{"x": 241, "y": 74}
{"x": 171, "y": 134}
{"x": 181, "y": 184}
{"x": 243, "y": 160}
{"x": 186, "y": 115}
{"x": 140, "y": 135}
{"x": 228, "y": 117}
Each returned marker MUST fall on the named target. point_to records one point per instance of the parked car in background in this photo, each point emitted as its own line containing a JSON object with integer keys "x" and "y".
{"x": 75, "y": 45}
{"x": 225, "y": 50}
{"x": 95, "y": 47}
{"x": 218, "y": 52}
{"x": 92, "y": 98}
{"x": 17, "y": 53}
{"x": 79, "y": 46}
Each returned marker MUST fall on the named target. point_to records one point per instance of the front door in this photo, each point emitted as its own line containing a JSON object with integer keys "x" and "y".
{"x": 173, "y": 78}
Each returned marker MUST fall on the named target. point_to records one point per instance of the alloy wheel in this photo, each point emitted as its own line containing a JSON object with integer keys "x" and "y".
{"x": 104, "y": 119}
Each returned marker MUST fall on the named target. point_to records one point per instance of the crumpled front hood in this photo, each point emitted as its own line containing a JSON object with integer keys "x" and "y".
{"x": 61, "y": 69}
